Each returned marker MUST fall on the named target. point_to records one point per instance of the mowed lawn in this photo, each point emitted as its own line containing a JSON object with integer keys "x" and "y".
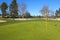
{"x": 30, "y": 30}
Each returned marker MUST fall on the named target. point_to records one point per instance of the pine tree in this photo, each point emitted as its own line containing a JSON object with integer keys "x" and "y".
{"x": 14, "y": 9}
{"x": 3, "y": 9}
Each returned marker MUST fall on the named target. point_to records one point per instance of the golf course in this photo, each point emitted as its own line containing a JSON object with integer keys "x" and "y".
{"x": 29, "y": 20}
{"x": 30, "y": 30}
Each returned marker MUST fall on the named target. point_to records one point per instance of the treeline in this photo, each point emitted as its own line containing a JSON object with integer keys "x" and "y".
{"x": 47, "y": 13}
{"x": 13, "y": 10}
{"x": 16, "y": 11}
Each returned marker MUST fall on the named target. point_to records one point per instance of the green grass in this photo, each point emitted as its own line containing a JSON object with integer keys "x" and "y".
{"x": 30, "y": 30}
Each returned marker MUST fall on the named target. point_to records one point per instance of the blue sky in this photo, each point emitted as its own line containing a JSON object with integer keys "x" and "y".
{"x": 33, "y": 6}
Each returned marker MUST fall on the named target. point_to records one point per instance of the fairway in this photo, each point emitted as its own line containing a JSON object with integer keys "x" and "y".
{"x": 30, "y": 30}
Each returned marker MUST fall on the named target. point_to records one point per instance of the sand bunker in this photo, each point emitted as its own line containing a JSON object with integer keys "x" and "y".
{"x": 2, "y": 21}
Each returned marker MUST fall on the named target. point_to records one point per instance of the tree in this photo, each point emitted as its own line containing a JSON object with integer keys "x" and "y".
{"x": 0, "y": 6}
{"x": 57, "y": 13}
{"x": 14, "y": 9}
{"x": 3, "y": 9}
{"x": 45, "y": 11}
{"x": 26, "y": 15}
{"x": 22, "y": 9}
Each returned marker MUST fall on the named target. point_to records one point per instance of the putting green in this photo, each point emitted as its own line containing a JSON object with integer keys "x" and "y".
{"x": 31, "y": 30}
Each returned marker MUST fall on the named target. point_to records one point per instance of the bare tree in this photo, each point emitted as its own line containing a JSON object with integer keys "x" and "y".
{"x": 45, "y": 11}
{"x": 22, "y": 9}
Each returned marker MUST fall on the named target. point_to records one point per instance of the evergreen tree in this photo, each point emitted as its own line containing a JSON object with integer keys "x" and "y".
{"x": 3, "y": 9}
{"x": 14, "y": 9}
